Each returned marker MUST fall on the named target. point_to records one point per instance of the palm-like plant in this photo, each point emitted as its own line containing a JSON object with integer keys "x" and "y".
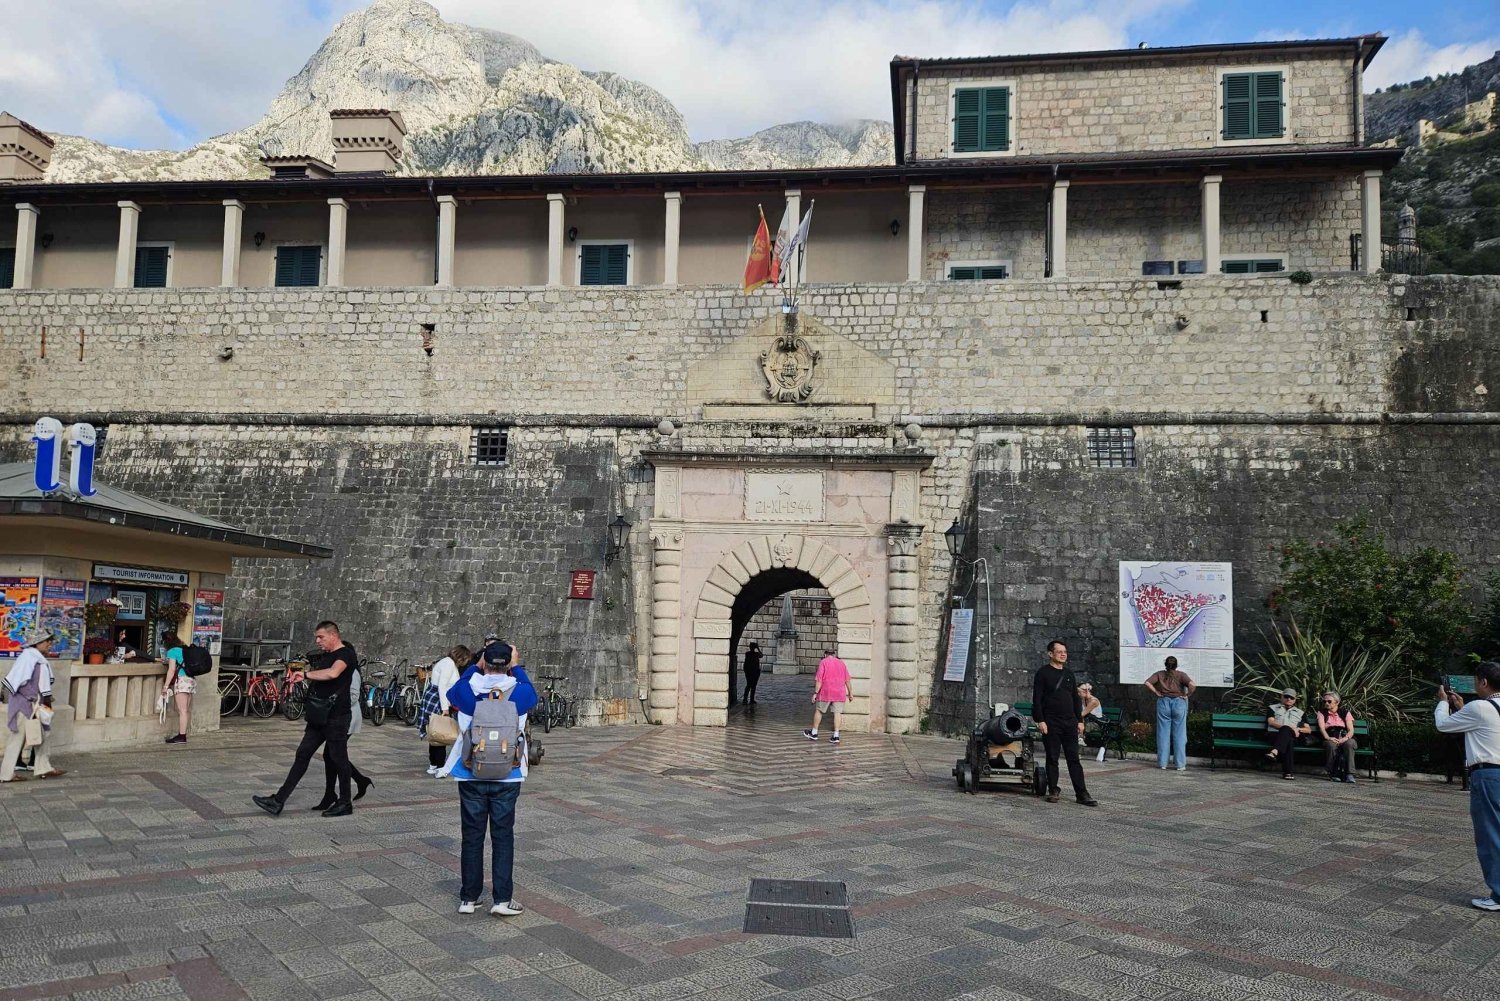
{"x": 1374, "y": 684}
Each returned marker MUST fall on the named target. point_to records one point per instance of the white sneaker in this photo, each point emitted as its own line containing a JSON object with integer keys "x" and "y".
{"x": 508, "y": 910}
{"x": 467, "y": 906}
{"x": 1485, "y": 904}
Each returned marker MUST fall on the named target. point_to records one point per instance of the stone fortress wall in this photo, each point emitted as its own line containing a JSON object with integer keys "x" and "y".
{"x": 1259, "y": 407}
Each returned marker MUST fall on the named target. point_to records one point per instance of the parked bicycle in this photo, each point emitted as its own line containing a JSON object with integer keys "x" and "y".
{"x": 556, "y": 707}
{"x": 267, "y": 692}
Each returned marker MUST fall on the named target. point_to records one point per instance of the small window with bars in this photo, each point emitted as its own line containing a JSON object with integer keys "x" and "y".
{"x": 604, "y": 264}
{"x": 979, "y": 272}
{"x": 1111, "y": 447}
{"x": 151, "y": 262}
{"x": 7, "y": 267}
{"x": 299, "y": 266}
{"x": 489, "y": 446}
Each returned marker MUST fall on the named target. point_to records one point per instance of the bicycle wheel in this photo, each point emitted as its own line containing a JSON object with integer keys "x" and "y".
{"x": 407, "y": 704}
{"x": 548, "y": 706}
{"x": 296, "y": 702}
{"x": 263, "y": 697}
{"x": 230, "y": 694}
{"x": 378, "y": 699}
{"x": 572, "y": 713}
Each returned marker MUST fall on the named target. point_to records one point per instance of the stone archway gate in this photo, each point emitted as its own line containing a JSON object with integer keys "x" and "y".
{"x": 850, "y": 521}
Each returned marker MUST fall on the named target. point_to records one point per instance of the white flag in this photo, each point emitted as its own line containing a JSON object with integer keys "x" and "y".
{"x": 800, "y": 238}
{"x": 784, "y": 232}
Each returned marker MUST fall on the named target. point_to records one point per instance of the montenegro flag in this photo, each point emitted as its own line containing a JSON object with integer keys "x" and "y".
{"x": 758, "y": 267}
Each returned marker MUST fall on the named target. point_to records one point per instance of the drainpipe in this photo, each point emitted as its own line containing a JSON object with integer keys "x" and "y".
{"x": 1359, "y": 92}
{"x": 1047, "y": 236}
{"x": 437, "y": 231}
{"x": 916, "y": 73}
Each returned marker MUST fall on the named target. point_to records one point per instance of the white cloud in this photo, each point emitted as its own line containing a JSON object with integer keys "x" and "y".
{"x": 1409, "y": 57}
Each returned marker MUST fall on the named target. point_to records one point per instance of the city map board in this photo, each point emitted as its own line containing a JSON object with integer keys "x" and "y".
{"x": 1185, "y": 610}
{"x": 18, "y": 600}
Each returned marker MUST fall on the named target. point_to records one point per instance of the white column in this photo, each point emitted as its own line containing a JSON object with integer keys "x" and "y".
{"x": 1369, "y": 228}
{"x": 555, "y": 219}
{"x": 1209, "y": 189}
{"x": 794, "y": 206}
{"x": 1059, "y": 229}
{"x": 338, "y": 237}
{"x": 130, "y": 221}
{"x": 26, "y": 217}
{"x": 234, "y": 224}
{"x": 902, "y": 542}
{"x": 666, "y": 619}
{"x": 447, "y": 235}
{"x": 916, "y": 195}
{"x": 674, "y": 237}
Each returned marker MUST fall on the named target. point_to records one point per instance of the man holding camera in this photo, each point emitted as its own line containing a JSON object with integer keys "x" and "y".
{"x": 1479, "y": 722}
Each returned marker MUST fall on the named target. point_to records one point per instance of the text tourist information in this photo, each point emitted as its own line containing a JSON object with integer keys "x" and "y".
{"x": 1185, "y": 610}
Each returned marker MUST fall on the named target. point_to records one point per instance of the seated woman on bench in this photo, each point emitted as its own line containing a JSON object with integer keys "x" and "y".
{"x": 1336, "y": 727}
{"x": 1283, "y": 726}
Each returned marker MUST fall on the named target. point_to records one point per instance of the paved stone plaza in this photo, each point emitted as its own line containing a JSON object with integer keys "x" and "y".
{"x": 148, "y": 874}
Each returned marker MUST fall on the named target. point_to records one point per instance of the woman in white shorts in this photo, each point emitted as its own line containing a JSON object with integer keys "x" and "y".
{"x": 178, "y": 684}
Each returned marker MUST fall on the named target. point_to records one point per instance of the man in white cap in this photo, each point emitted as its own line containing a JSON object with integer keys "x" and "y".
{"x": 28, "y": 682}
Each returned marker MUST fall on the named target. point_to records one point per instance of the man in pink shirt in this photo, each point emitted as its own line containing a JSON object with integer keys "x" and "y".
{"x": 830, "y": 692}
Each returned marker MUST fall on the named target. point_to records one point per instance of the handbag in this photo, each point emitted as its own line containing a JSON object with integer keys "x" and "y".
{"x": 442, "y": 730}
{"x": 320, "y": 708}
{"x": 33, "y": 729}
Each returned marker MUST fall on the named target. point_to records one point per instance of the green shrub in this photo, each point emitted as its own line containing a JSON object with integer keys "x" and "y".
{"x": 1356, "y": 594}
{"x": 1374, "y": 684}
{"x": 1413, "y": 746}
{"x": 1486, "y": 194}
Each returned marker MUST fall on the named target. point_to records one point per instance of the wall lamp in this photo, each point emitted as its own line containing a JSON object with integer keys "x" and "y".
{"x": 572, "y": 234}
{"x": 614, "y": 542}
{"x": 46, "y": 240}
{"x": 895, "y": 227}
{"x": 259, "y": 239}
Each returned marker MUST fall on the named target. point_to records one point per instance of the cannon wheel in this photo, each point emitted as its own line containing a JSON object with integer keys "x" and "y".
{"x": 1039, "y": 780}
{"x": 958, "y": 772}
{"x": 970, "y": 779}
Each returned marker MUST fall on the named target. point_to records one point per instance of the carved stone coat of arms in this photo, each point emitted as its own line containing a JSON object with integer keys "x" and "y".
{"x": 789, "y": 366}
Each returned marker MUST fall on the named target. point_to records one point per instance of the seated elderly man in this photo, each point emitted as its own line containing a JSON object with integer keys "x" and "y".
{"x": 1283, "y": 726}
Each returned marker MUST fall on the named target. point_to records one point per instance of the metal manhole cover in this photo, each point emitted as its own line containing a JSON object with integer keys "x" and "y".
{"x": 824, "y": 893}
{"x": 811, "y": 908}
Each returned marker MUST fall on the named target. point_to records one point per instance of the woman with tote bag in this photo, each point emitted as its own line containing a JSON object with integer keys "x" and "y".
{"x": 28, "y": 710}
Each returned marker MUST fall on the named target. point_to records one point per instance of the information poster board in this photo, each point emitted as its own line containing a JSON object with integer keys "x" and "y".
{"x": 960, "y": 632}
{"x": 1185, "y": 610}
{"x": 208, "y": 620}
{"x": 62, "y": 616}
{"x": 18, "y": 613}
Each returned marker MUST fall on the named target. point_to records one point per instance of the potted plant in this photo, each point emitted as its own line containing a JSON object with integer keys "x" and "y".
{"x": 173, "y": 614}
{"x": 95, "y": 649}
{"x": 98, "y": 616}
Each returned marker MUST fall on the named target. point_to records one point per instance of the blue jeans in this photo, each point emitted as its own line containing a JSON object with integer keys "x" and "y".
{"x": 493, "y": 803}
{"x": 1171, "y": 725}
{"x": 1484, "y": 811}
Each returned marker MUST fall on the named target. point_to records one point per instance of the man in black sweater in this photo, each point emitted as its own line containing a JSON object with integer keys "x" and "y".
{"x": 1058, "y": 711}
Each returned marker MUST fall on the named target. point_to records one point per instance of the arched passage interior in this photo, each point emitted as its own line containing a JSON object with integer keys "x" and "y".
{"x": 766, "y": 586}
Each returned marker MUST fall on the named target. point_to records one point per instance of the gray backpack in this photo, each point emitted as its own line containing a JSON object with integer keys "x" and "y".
{"x": 492, "y": 747}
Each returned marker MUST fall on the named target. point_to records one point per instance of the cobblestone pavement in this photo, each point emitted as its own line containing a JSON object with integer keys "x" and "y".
{"x": 148, "y": 874}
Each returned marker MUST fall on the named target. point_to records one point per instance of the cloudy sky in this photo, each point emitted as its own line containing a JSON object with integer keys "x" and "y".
{"x": 168, "y": 73}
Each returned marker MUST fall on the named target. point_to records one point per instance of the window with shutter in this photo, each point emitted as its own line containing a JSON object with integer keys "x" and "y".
{"x": 298, "y": 267}
{"x": 7, "y": 267}
{"x": 978, "y": 272}
{"x": 1253, "y": 105}
{"x": 151, "y": 267}
{"x": 1252, "y": 266}
{"x": 604, "y": 264}
{"x": 981, "y": 119}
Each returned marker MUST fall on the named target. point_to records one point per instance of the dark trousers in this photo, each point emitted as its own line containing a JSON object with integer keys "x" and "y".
{"x": 333, "y": 737}
{"x": 492, "y": 804}
{"x": 330, "y": 773}
{"x": 1333, "y": 752}
{"x": 752, "y": 678}
{"x": 1062, "y": 736}
{"x": 1283, "y": 741}
{"x": 436, "y": 755}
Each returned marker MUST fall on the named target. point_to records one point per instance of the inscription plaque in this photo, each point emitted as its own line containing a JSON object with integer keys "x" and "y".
{"x": 783, "y": 496}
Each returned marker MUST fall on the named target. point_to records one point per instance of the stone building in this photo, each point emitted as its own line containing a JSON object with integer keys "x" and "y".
{"x": 1062, "y": 318}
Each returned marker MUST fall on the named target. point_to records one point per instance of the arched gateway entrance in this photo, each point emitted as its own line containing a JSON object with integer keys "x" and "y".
{"x": 730, "y": 531}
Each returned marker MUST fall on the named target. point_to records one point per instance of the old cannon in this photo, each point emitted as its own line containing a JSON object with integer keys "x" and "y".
{"x": 1002, "y": 747}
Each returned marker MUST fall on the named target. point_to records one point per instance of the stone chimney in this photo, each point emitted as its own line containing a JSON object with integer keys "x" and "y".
{"x": 25, "y": 151}
{"x": 292, "y": 167}
{"x": 367, "y": 140}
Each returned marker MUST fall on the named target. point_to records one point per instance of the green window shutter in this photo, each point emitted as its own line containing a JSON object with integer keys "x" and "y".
{"x": 1260, "y": 266}
{"x": 1235, "y": 267}
{"x": 967, "y": 111}
{"x": 298, "y": 267}
{"x": 996, "y": 119}
{"x": 962, "y": 274}
{"x": 1267, "y": 266}
{"x": 1267, "y": 88}
{"x": 993, "y": 272}
{"x": 151, "y": 267}
{"x": 591, "y": 270}
{"x": 616, "y": 264}
{"x": 1237, "y": 105}
{"x": 7, "y": 267}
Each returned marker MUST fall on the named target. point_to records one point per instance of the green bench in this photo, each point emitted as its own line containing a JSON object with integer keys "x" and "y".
{"x": 1247, "y": 732}
{"x": 1111, "y": 728}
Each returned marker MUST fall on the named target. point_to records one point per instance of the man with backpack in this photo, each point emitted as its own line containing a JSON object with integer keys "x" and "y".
{"x": 489, "y": 763}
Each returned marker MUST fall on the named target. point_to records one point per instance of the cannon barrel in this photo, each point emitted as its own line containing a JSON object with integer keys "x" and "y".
{"x": 1003, "y": 729}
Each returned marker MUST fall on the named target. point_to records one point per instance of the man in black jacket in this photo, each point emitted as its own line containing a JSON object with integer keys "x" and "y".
{"x": 1058, "y": 711}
